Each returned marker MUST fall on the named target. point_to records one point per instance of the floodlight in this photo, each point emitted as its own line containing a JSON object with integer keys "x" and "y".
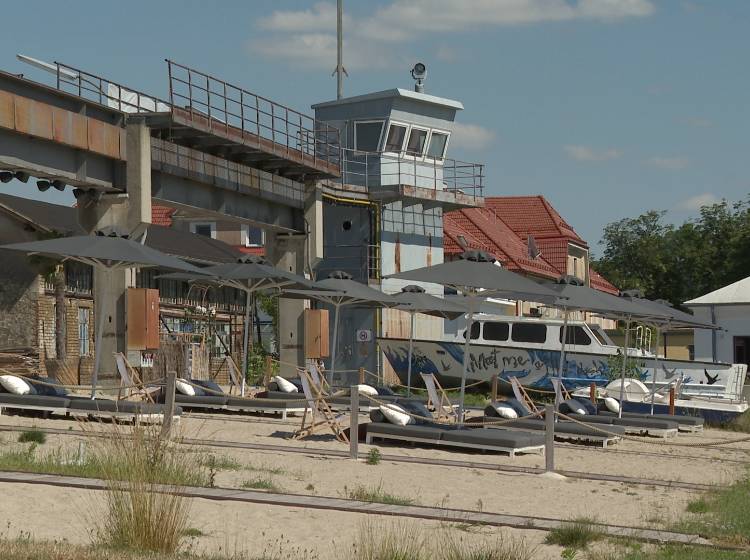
{"x": 6, "y": 176}
{"x": 22, "y": 176}
{"x": 58, "y": 184}
{"x": 43, "y": 185}
{"x": 419, "y": 71}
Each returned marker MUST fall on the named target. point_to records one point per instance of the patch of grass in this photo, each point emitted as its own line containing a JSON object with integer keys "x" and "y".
{"x": 503, "y": 547}
{"x": 32, "y": 436}
{"x": 261, "y": 483}
{"x": 376, "y": 494}
{"x": 392, "y": 541}
{"x": 739, "y": 424}
{"x": 220, "y": 463}
{"x": 672, "y": 552}
{"x": 723, "y": 514}
{"x": 698, "y": 506}
{"x": 373, "y": 456}
{"x": 193, "y": 532}
{"x": 576, "y": 534}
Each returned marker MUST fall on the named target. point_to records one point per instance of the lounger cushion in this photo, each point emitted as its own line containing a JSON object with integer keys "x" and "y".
{"x": 590, "y": 407}
{"x": 505, "y": 410}
{"x": 19, "y": 401}
{"x": 385, "y": 391}
{"x": 417, "y": 408}
{"x": 15, "y": 385}
{"x": 283, "y": 396}
{"x": 47, "y": 386}
{"x": 411, "y": 430}
{"x": 367, "y": 390}
{"x": 562, "y": 428}
{"x": 396, "y": 414}
{"x": 377, "y": 417}
{"x": 572, "y": 405}
{"x": 184, "y": 388}
{"x": 284, "y": 385}
{"x": 612, "y": 404}
{"x": 520, "y": 408}
{"x": 107, "y": 405}
{"x": 497, "y": 438}
{"x": 213, "y": 387}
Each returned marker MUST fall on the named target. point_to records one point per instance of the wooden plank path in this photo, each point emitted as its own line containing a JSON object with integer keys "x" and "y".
{"x": 353, "y": 506}
{"x": 690, "y": 486}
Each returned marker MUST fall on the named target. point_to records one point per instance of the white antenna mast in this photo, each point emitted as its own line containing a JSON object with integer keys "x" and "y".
{"x": 340, "y": 71}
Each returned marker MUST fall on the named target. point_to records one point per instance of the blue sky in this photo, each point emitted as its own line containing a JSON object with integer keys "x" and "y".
{"x": 607, "y": 107}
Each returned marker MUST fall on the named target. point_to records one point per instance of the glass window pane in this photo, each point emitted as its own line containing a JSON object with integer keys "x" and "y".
{"x": 474, "y": 331}
{"x": 436, "y": 149}
{"x": 203, "y": 229}
{"x": 496, "y": 331}
{"x": 395, "y": 141}
{"x": 417, "y": 139}
{"x": 368, "y": 136}
{"x": 576, "y": 335}
{"x": 529, "y": 332}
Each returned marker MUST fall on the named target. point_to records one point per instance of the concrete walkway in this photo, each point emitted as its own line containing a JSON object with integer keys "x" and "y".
{"x": 345, "y": 505}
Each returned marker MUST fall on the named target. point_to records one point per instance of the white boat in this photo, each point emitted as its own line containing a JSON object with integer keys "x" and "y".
{"x": 529, "y": 349}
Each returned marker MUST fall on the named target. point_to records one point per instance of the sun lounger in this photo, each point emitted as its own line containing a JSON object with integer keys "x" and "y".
{"x": 637, "y": 426}
{"x": 212, "y": 398}
{"x": 684, "y": 423}
{"x": 52, "y": 398}
{"x": 428, "y": 433}
{"x": 564, "y": 431}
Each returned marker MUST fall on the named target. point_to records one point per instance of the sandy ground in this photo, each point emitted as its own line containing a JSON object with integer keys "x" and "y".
{"x": 234, "y": 526}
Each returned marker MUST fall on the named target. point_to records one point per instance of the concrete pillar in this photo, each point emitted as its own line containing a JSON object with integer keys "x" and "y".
{"x": 124, "y": 214}
{"x": 288, "y": 253}
{"x": 314, "y": 224}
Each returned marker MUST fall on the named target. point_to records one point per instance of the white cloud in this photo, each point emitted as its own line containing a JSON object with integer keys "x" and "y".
{"x": 403, "y": 21}
{"x": 695, "y": 203}
{"x": 586, "y": 153}
{"x": 471, "y": 136}
{"x": 670, "y": 163}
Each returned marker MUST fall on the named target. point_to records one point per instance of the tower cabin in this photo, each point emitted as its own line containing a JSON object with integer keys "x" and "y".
{"x": 385, "y": 214}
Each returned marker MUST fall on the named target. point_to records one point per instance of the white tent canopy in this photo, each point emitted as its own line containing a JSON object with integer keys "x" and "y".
{"x": 739, "y": 292}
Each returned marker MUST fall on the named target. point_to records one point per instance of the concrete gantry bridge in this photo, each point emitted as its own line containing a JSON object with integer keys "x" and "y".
{"x": 212, "y": 148}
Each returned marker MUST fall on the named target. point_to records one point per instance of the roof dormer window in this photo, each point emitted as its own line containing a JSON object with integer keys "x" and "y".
{"x": 367, "y": 135}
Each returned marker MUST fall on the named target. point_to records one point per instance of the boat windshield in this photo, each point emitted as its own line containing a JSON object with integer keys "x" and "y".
{"x": 601, "y": 336}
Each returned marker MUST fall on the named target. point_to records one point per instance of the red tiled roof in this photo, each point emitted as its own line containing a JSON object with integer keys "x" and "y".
{"x": 162, "y": 215}
{"x": 532, "y": 215}
{"x": 502, "y": 229}
{"x": 483, "y": 230}
{"x": 600, "y": 283}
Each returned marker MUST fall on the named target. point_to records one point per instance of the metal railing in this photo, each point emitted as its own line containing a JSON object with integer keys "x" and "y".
{"x": 239, "y": 111}
{"x": 106, "y": 92}
{"x": 381, "y": 169}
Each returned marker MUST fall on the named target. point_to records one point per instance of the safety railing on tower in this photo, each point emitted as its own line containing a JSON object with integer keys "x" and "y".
{"x": 383, "y": 169}
{"x": 236, "y": 110}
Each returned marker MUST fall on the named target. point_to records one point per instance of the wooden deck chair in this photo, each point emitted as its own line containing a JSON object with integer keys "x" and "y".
{"x": 321, "y": 413}
{"x": 560, "y": 391}
{"x": 438, "y": 398}
{"x": 234, "y": 374}
{"x": 520, "y": 393}
{"x": 318, "y": 380}
{"x": 130, "y": 381}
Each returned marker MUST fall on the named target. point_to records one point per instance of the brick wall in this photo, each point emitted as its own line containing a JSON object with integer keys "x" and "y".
{"x": 18, "y": 300}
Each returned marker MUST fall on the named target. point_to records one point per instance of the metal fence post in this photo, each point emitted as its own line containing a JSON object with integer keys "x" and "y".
{"x": 166, "y": 424}
{"x": 549, "y": 438}
{"x": 354, "y": 424}
{"x": 494, "y": 388}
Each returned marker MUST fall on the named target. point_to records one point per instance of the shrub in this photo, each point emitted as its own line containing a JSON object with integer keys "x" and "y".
{"x": 32, "y": 436}
{"x": 377, "y": 494}
{"x": 576, "y": 534}
{"x": 373, "y": 456}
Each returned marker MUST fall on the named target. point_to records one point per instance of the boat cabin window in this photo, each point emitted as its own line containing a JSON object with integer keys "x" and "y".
{"x": 496, "y": 331}
{"x": 576, "y": 335}
{"x": 474, "y": 331}
{"x": 529, "y": 332}
{"x": 601, "y": 336}
{"x": 367, "y": 135}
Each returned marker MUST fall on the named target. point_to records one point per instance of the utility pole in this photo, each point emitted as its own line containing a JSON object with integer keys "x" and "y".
{"x": 340, "y": 70}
